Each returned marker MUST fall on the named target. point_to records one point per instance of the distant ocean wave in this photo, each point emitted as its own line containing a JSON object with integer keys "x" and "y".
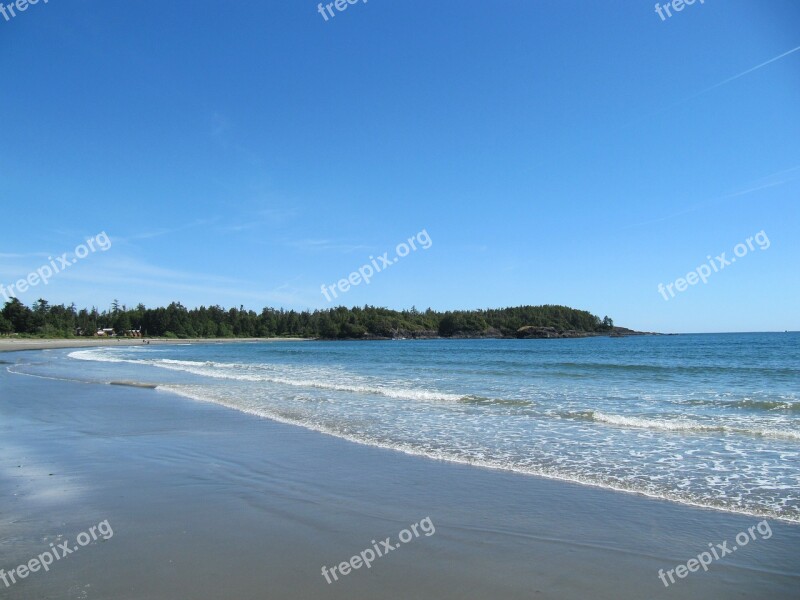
{"x": 674, "y": 368}
{"x": 681, "y": 425}
{"x": 746, "y": 404}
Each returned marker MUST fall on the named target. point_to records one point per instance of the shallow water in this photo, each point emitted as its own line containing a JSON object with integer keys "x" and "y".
{"x": 711, "y": 420}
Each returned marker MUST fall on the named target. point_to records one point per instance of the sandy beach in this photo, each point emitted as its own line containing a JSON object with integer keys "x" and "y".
{"x": 10, "y": 344}
{"x": 208, "y": 502}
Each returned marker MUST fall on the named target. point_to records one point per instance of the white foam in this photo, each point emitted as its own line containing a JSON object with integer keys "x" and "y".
{"x": 661, "y": 424}
{"x": 687, "y": 425}
{"x": 257, "y": 373}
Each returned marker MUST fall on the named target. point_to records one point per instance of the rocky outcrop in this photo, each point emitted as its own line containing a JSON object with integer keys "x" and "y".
{"x": 532, "y": 332}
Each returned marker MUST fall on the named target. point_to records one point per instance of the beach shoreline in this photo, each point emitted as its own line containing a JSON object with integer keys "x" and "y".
{"x": 209, "y": 501}
{"x": 22, "y": 344}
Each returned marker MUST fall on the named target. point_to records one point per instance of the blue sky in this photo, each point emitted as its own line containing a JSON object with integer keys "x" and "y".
{"x": 565, "y": 152}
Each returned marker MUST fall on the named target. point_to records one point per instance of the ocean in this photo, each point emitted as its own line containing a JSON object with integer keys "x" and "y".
{"x": 711, "y": 420}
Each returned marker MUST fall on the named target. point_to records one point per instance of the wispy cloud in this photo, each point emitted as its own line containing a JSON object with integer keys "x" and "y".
{"x": 146, "y": 235}
{"x": 267, "y": 217}
{"x": 28, "y": 255}
{"x": 748, "y": 71}
{"x": 323, "y": 245}
{"x": 222, "y": 131}
{"x": 220, "y": 124}
{"x": 132, "y": 279}
{"x": 702, "y": 92}
{"x": 751, "y": 187}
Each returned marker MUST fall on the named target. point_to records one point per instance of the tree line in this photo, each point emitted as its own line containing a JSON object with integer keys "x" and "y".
{"x": 57, "y": 320}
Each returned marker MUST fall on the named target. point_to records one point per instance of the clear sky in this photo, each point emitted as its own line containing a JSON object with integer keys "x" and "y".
{"x": 556, "y": 152}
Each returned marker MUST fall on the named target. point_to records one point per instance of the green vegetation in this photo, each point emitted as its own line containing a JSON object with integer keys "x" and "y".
{"x": 45, "y": 320}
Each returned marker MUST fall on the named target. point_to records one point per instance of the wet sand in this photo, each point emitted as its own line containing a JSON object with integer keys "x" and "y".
{"x": 207, "y": 502}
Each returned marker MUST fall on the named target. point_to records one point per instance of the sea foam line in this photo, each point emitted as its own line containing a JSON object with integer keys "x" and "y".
{"x": 687, "y": 425}
{"x": 218, "y": 370}
{"x": 408, "y": 449}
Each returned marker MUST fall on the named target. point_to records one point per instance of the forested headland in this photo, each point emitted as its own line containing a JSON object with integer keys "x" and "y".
{"x": 368, "y": 322}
